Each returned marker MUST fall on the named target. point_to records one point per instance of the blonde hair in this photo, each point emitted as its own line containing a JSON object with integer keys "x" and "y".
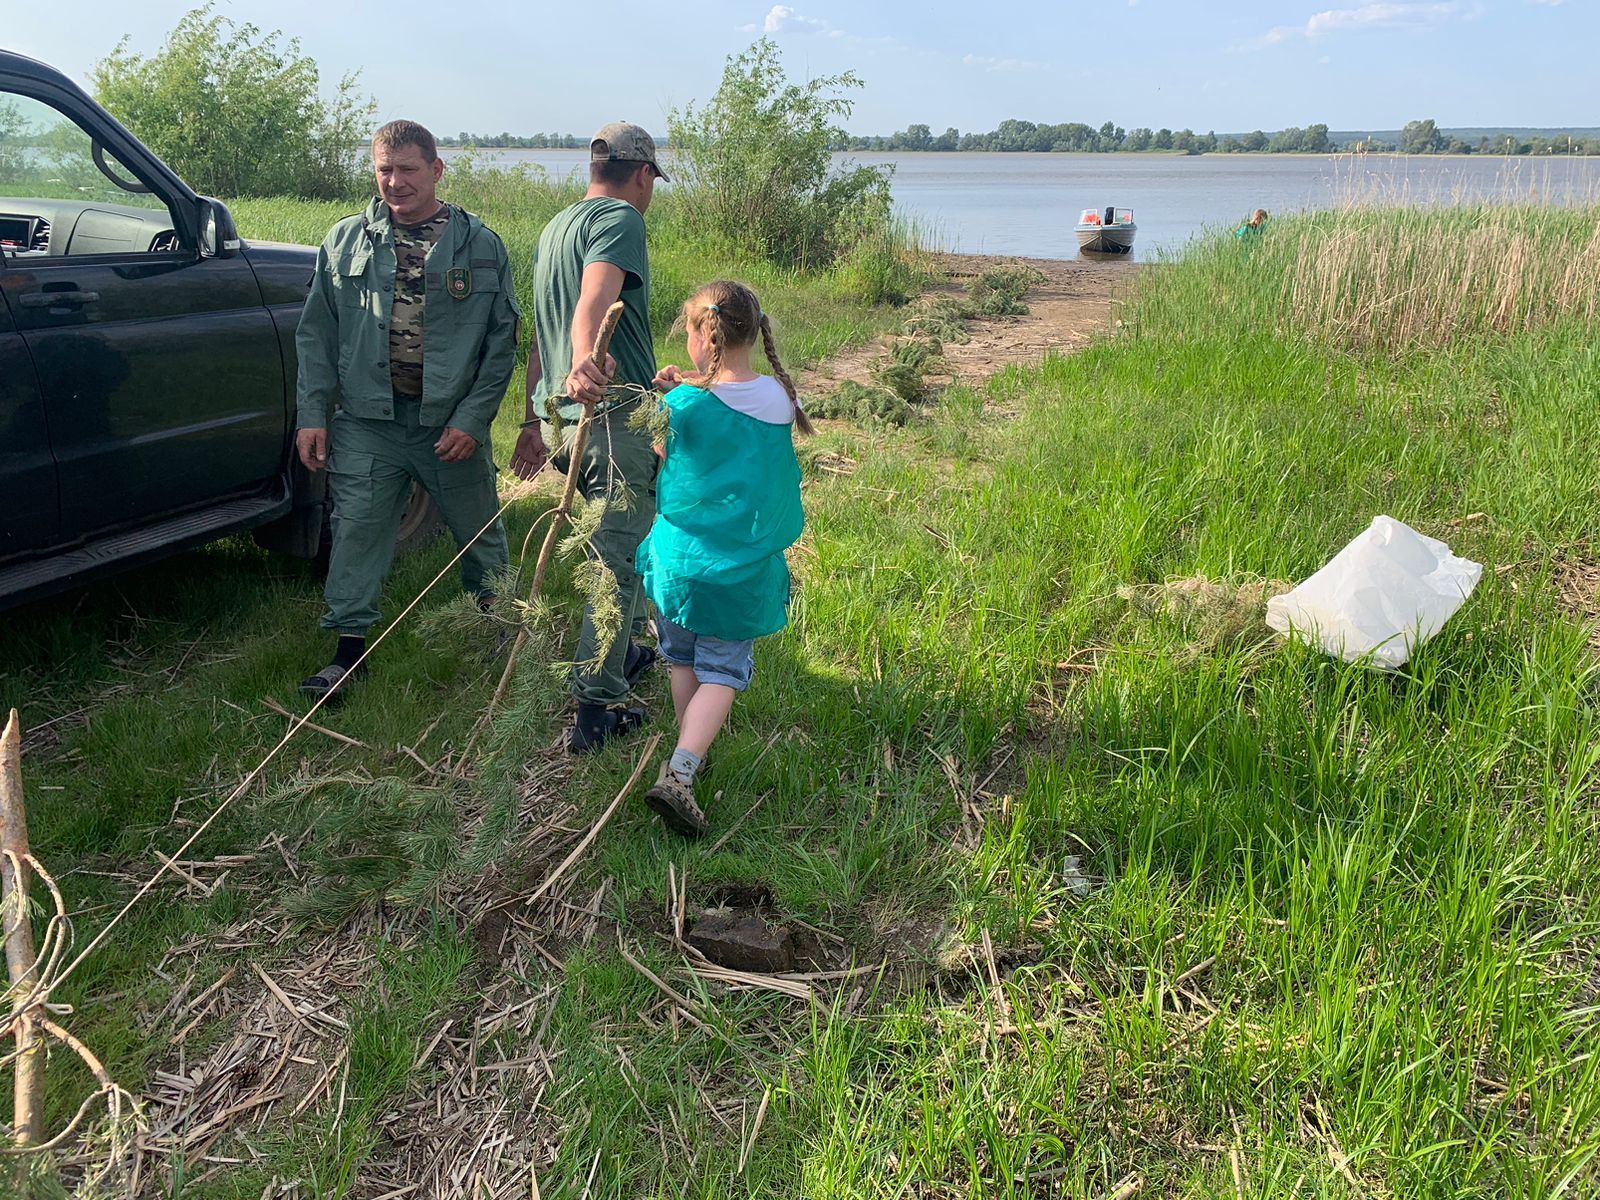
{"x": 730, "y": 316}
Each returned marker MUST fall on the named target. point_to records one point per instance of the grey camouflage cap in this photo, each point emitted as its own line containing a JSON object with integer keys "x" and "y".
{"x": 622, "y": 142}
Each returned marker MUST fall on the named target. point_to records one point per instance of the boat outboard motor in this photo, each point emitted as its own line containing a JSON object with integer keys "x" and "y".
{"x": 1111, "y": 215}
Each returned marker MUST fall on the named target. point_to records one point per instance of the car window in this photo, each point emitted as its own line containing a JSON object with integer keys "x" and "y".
{"x": 63, "y": 194}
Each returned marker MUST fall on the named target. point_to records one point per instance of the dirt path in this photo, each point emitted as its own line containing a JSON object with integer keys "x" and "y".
{"x": 1073, "y": 302}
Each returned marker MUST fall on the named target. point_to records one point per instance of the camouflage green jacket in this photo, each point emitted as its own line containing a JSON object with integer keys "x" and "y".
{"x": 469, "y": 340}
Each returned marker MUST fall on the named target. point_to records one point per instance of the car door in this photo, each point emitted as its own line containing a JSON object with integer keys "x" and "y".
{"x": 159, "y": 367}
{"x": 29, "y": 514}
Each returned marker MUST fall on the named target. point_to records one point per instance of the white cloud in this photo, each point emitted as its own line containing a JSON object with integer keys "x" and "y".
{"x": 1369, "y": 16}
{"x": 1380, "y": 16}
{"x": 784, "y": 19}
{"x": 988, "y": 63}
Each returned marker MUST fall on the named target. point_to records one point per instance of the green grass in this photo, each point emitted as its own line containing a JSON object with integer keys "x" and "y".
{"x": 1377, "y": 889}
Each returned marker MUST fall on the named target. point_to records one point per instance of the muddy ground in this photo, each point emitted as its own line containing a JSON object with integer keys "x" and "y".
{"x": 1076, "y": 299}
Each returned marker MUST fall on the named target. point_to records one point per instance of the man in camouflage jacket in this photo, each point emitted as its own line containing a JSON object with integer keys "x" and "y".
{"x": 406, "y": 346}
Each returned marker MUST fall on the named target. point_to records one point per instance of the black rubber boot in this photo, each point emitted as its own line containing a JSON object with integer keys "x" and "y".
{"x": 596, "y": 724}
{"x": 640, "y": 659}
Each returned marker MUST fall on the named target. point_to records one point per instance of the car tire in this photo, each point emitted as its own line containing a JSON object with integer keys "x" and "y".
{"x": 421, "y": 524}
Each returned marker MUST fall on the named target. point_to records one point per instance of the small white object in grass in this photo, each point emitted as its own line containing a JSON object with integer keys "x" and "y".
{"x": 1378, "y": 599}
{"x": 1074, "y": 880}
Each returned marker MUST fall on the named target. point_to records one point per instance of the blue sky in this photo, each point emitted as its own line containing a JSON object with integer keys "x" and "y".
{"x": 492, "y": 65}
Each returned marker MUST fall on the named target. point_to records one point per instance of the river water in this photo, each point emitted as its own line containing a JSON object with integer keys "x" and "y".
{"x": 1026, "y": 204}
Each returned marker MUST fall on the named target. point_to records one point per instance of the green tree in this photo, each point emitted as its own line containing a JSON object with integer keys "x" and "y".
{"x": 1162, "y": 140}
{"x": 1013, "y": 135}
{"x": 1253, "y": 141}
{"x": 239, "y": 113}
{"x": 757, "y": 170}
{"x": 1288, "y": 141}
{"x": 1421, "y": 137}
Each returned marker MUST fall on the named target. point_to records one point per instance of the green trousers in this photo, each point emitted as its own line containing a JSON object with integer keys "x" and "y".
{"x": 371, "y": 466}
{"x": 613, "y": 455}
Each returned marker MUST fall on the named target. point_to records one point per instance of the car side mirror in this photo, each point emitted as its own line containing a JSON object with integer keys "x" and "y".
{"x": 219, "y": 236}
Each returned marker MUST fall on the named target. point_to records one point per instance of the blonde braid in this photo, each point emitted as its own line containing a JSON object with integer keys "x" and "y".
{"x": 770, "y": 348}
{"x": 716, "y": 350}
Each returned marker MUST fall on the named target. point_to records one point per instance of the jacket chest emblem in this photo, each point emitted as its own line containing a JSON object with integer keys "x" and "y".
{"x": 458, "y": 282}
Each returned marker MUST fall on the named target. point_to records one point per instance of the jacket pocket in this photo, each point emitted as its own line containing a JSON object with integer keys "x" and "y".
{"x": 350, "y": 285}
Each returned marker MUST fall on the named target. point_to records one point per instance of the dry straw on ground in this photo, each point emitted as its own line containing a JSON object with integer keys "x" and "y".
{"x": 1212, "y": 612}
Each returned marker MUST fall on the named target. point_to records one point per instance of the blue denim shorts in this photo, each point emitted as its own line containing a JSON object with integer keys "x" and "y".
{"x": 714, "y": 660}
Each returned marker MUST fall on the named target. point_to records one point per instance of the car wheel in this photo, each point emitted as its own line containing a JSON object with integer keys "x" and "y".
{"x": 420, "y": 523}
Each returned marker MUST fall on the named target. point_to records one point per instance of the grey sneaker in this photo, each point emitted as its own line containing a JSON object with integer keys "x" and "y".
{"x": 675, "y": 801}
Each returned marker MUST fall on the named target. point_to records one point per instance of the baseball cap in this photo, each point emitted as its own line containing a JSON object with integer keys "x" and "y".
{"x": 622, "y": 142}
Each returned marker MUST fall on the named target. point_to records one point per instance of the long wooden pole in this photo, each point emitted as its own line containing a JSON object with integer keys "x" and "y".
{"x": 21, "y": 964}
{"x": 563, "y": 512}
{"x": 602, "y": 344}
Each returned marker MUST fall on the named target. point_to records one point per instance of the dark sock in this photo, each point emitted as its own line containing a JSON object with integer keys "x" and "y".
{"x": 349, "y": 650}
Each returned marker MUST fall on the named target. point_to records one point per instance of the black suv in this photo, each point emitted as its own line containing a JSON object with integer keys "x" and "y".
{"x": 147, "y": 362}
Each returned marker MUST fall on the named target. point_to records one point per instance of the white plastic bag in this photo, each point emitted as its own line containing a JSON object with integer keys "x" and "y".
{"x": 1387, "y": 592}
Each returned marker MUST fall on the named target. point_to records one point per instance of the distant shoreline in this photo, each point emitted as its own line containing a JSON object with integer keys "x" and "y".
{"x": 1098, "y": 154}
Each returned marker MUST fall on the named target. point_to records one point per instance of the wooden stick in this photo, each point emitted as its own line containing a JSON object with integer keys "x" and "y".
{"x": 269, "y": 702}
{"x": 21, "y": 962}
{"x": 563, "y": 511}
{"x": 605, "y": 817}
{"x": 602, "y": 343}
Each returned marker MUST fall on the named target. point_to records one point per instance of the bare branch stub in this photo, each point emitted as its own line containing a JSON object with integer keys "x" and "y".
{"x": 21, "y": 962}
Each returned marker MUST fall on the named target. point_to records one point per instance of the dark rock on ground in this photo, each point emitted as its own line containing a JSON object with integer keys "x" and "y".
{"x": 742, "y": 941}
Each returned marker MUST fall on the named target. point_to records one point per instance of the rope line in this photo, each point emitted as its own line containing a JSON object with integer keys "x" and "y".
{"x": 295, "y": 728}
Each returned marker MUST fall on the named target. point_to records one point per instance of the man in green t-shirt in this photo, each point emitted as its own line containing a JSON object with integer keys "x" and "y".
{"x": 590, "y": 255}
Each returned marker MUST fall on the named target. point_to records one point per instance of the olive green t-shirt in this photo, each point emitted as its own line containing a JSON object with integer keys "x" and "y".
{"x": 605, "y": 230}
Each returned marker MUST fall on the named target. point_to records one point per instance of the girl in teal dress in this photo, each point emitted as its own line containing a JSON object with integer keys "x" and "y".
{"x": 727, "y": 507}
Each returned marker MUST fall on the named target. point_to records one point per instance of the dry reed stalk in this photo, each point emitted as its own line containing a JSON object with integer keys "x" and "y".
{"x": 1431, "y": 277}
{"x": 605, "y": 818}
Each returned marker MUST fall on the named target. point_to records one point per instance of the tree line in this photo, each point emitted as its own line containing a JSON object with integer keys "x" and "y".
{"x": 1014, "y": 136}
{"x": 512, "y": 141}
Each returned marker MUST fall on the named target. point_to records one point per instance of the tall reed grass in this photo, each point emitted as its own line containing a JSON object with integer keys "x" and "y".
{"x": 1388, "y": 278}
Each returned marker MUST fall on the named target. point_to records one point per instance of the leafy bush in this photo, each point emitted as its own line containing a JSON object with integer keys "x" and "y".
{"x": 756, "y": 171}
{"x": 237, "y": 113}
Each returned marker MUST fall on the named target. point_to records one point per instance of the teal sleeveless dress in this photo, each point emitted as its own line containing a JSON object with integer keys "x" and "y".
{"x": 727, "y": 507}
